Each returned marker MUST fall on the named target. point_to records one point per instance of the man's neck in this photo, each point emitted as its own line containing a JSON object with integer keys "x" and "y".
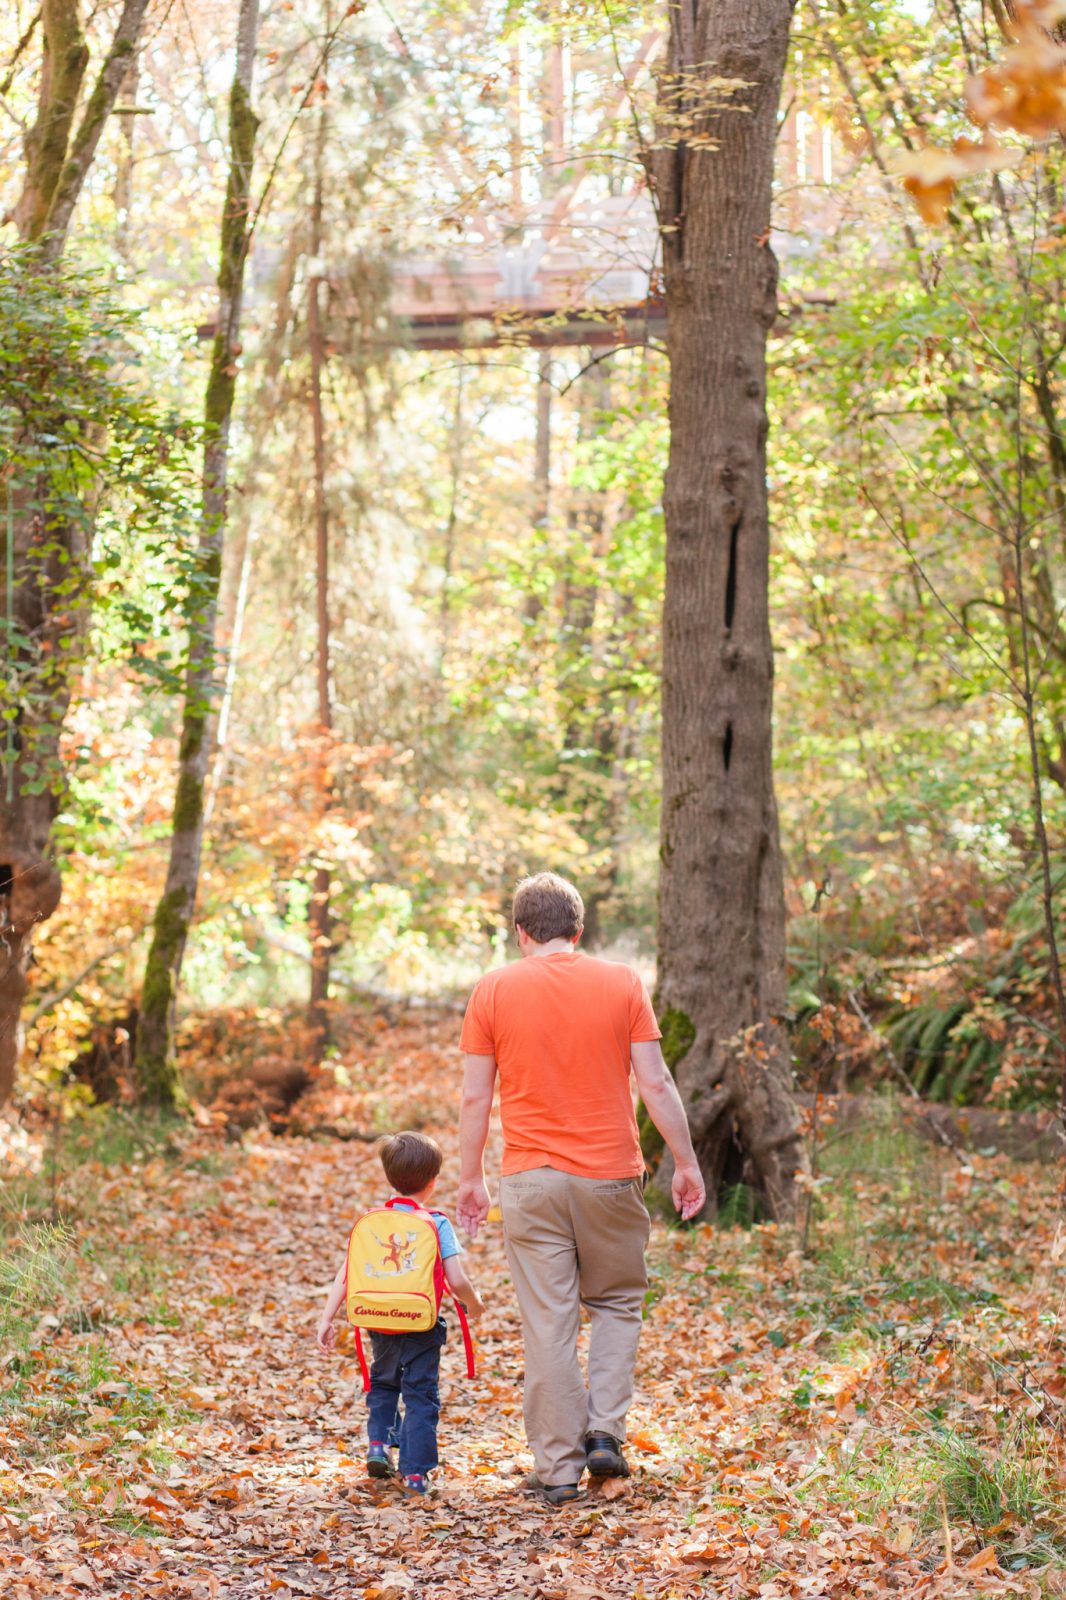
{"x": 553, "y": 947}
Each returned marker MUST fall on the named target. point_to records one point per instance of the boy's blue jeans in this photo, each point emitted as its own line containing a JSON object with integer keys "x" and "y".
{"x": 406, "y": 1367}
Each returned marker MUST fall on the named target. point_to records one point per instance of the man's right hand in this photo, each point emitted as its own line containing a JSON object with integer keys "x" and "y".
{"x": 688, "y": 1190}
{"x": 472, "y": 1206}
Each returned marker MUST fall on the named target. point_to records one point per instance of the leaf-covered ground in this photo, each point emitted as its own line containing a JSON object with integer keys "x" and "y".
{"x": 879, "y": 1415}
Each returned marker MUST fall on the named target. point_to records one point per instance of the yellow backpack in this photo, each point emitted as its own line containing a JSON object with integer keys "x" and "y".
{"x": 396, "y": 1276}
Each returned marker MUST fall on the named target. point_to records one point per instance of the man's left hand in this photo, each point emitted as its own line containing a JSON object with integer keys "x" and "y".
{"x": 472, "y": 1206}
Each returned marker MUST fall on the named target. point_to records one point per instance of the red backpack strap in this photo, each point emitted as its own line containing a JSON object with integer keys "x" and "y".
{"x": 464, "y": 1323}
{"x": 416, "y": 1211}
{"x": 403, "y": 1200}
{"x": 363, "y": 1368}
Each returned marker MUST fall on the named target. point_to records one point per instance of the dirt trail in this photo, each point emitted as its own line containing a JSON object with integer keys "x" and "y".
{"x": 751, "y": 1403}
{"x": 279, "y": 1497}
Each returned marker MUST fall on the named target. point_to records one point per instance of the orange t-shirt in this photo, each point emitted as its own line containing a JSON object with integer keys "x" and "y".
{"x": 560, "y": 1027}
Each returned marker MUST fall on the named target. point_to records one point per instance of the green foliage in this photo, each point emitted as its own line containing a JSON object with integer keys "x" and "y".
{"x": 95, "y": 497}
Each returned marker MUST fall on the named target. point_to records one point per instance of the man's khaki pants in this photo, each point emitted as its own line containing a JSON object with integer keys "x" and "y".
{"x": 574, "y": 1242}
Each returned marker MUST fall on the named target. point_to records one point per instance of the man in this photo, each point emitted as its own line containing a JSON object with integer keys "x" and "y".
{"x": 562, "y": 1029}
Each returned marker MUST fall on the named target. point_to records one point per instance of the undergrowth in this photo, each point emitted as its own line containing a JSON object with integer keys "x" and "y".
{"x": 915, "y": 1263}
{"x": 966, "y": 1013}
{"x": 72, "y": 1268}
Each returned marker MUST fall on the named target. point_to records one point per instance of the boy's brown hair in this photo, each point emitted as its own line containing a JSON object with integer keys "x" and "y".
{"x": 411, "y": 1161}
{"x": 548, "y": 907}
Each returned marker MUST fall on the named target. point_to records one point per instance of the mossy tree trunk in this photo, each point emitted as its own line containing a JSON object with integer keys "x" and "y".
{"x": 44, "y": 597}
{"x": 155, "y": 1065}
{"x": 721, "y": 982}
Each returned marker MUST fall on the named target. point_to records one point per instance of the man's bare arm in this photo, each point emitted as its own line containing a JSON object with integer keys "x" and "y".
{"x": 479, "y": 1081}
{"x": 664, "y": 1106}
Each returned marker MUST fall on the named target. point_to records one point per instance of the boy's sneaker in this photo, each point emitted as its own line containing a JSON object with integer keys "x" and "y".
{"x": 603, "y": 1456}
{"x": 378, "y": 1461}
{"x": 417, "y": 1482}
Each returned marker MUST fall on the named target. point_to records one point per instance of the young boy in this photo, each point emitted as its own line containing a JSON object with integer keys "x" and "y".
{"x": 406, "y": 1365}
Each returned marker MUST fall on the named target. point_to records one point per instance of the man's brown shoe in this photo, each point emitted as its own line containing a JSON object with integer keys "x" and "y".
{"x": 604, "y": 1456}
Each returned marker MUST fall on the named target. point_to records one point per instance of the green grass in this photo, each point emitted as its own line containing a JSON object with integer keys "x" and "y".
{"x": 36, "y": 1273}
{"x": 982, "y": 1486}
{"x": 42, "y": 1262}
{"x": 1005, "y": 1490}
{"x": 86, "y": 1395}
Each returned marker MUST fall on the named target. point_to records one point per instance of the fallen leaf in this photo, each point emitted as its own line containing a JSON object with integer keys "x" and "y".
{"x": 983, "y": 1560}
{"x": 902, "y": 1539}
{"x": 612, "y": 1488}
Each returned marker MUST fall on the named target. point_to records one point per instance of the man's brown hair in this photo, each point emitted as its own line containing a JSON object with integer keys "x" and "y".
{"x": 548, "y": 907}
{"x": 411, "y": 1161}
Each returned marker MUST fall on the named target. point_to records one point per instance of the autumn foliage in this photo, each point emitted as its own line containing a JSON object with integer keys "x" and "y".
{"x": 1023, "y": 92}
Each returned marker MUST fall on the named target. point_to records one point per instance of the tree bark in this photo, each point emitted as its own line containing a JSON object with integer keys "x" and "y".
{"x": 155, "y": 1067}
{"x": 721, "y": 972}
{"x": 44, "y": 600}
{"x": 318, "y": 915}
{"x": 239, "y": 555}
{"x": 57, "y": 164}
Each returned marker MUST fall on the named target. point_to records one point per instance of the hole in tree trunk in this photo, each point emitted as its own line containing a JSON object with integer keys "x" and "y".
{"x": 731, "y": 575}
{"x": 727, "y": 746}
{"x": 738, "y": 1200}
{"x": 7, "y": 879}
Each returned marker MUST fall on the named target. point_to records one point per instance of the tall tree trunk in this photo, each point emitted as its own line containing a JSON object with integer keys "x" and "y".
{"x": 44, "y": 597}
{"x": 239, "y": 555}
{"x": 589, "y": 731}
{"x": 318, "y": 915}
{"x": 542, "y": 471}
{"x": 721, "y": 974}
{"x": 122, "y": 191}
{"x": 155, "y": 1066}
{"x": 457, "y": 442}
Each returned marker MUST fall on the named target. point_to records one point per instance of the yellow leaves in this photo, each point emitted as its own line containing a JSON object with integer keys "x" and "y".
{"x": 931, "y": 174}
{"x": 1026, "y": 89}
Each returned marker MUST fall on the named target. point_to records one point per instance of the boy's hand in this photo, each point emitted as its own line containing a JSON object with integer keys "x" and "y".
{"x": 472, "y": 1206}
{"x": 472, "y": 1304}
{"x": 688, "y": 1190}
{"x": 324, "y": 1337}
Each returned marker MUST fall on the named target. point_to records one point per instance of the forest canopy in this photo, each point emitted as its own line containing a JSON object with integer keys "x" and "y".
{"x": 485, "y": 492}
